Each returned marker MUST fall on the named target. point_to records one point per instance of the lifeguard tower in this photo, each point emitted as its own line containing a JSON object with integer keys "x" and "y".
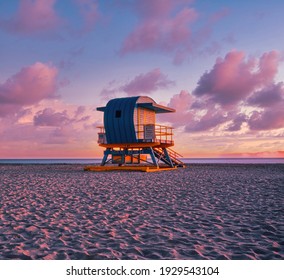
{"x": 130, "y": 136}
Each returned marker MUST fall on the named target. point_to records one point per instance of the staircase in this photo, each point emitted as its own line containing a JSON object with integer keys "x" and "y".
{"x": 168, "y": 156}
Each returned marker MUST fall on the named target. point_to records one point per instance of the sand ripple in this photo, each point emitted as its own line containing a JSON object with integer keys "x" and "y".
{"x": 201, "y": 212}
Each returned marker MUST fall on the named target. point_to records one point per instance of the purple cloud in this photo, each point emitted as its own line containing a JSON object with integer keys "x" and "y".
{"x": 270, "y": 118}
{"x": 232, "y": 84}
{"x": 182, "y": 104}
{"x": 33, "y": 17}
{"x": 147, "y": 83}
{"x": 268, "y": 96}
{"x": 233, "y": 78}
{"x": 210, "y": 120}
{"x": 164, "y": 26}
{"x": 48, "y": 117}
{"x": 237, "y": 122}
{"x": 29, "y": 86}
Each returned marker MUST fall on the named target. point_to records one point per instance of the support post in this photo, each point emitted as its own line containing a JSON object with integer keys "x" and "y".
{"x": 153, "y": 157}
{"x": 124, "y": 151}
{"x": 168, "y": 158}
{"x": 106, "y": 153}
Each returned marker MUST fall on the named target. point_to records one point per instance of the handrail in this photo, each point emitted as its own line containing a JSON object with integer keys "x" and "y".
{"x": 175, "y": 153}
{"x": 160, "y": 133}
{"x": 102, "y": 128}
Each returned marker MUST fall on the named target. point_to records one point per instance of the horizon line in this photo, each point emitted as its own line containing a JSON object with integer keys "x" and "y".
{"x": 99, "y": 158}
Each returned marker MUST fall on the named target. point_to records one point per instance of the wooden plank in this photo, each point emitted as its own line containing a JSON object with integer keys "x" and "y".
{"x": 128, "y": 168}
{"x": 137, "y": 145}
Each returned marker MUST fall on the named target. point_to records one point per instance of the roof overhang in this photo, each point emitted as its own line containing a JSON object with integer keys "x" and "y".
{"x": 102, "y": 109}
{"x": 156, "y": 107}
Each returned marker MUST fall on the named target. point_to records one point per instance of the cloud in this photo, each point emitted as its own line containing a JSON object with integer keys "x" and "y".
{"x": 238, "y": 94}
{"x": 48, "y": 117}
{"x": 39, "y": 18}
{"x": 110, "y": 90}
{"x": 80, "y": 110}
{"x": 89, "y": 12}
{"x": 29, "y": 86}
{"x": 270, "y": 118}
{"x": 33, "y": 17}
{"x": 164, "y": 26}
{"x": 210, "y": 120}
{"x": 234, "y": 78}
{"x": 193, "y": 116}
{"x": 237, "y": 122}
{"x": 268, "y": 67}
{"x": 167, "y": 35}
{"x": 268, "y": 96}
{"x": 47, "y": 126}
{"x": 171, "y": 27}
{"x": 147, "y": 83}
{"x": 182, "y": 104}
{"x": 144, "y": 83}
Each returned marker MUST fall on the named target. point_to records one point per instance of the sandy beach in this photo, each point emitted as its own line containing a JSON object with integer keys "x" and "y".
{"x": 205, "y": 211}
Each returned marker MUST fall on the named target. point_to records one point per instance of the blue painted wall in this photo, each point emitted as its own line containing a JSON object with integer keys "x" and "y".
{"x": 118, "y": 120}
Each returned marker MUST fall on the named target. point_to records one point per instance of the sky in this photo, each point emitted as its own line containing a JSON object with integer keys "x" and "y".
{"x": 218, "y": 63}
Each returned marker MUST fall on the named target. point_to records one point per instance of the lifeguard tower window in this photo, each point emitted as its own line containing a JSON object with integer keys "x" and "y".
{"x": 118, "y": 113}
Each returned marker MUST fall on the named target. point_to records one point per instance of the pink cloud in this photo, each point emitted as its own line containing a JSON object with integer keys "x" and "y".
{"x": 48, "y": 129}
{"x": 90, "y": 13}
{"x": 32, "y": 17}
{"x": 161, "y": 27}
{"x": 182, "y": 104}
{"x": 166, "y": 35}
{"x": 237, "y": 122}
{"x": 29, "y": 86}
{"x": 270, "y": 118}
{"x": 268, "y": 96}
{"x": 233, "y": 78}
{"x": 48, "y": 117}
{"x": 268, "y": 67}
{"x": 21, "y": 135}
{"x": 167, "y": 26}
{"x": 210, "y": 120}
{"x": 230, "y": 86}
{"x": 109, "y": 92}
{"x": 80, "y": 110}
{"x": 188, "y": 114}
{"x": 147, "y": 83}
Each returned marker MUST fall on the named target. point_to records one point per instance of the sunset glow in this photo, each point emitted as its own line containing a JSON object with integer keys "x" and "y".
{"x": 220, "y": 65}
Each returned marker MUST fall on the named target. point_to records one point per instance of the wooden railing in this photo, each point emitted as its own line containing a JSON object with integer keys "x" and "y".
{"x": 156, "y": 133}
{"x": 146, "y": 133}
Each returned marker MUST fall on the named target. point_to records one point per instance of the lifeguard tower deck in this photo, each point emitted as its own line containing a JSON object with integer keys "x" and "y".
{"x": 130, "y": 135}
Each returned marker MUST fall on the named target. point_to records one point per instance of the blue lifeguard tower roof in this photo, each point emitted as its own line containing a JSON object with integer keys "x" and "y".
{"x": 132, "y": 101}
